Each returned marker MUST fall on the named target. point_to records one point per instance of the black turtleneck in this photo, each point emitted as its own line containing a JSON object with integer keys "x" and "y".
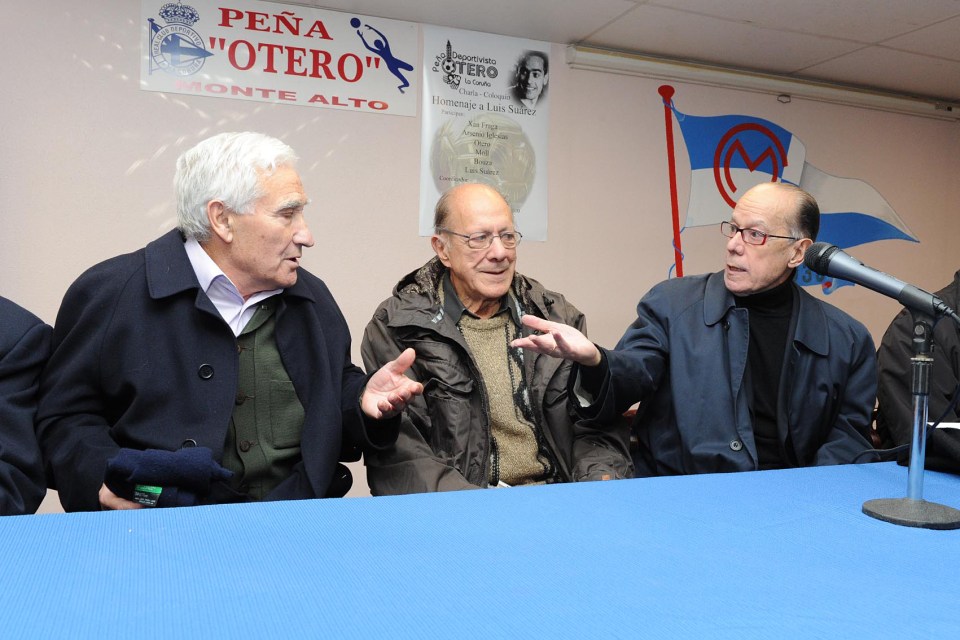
{"x": 770, "y": 315}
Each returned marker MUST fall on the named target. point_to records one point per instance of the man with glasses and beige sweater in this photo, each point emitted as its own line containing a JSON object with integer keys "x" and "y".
{"x": 737, "y": 370}
{"x": 490, "y": 415}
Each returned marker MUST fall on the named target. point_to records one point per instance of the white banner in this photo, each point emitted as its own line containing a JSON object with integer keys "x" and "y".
{"x": 267, "y": 52}
{"x": 485, "y": 119}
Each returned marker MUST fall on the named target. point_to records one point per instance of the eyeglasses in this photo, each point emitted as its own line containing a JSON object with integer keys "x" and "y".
{"x": 482, "y": 240}
{"x": 750, "y": 236}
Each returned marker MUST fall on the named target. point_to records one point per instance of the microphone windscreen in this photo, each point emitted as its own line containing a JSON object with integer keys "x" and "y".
{"x": 817, "y": 258}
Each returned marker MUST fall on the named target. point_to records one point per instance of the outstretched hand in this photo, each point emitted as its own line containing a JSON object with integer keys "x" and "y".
{"x": 388, "y": 391}
{"x": 558, "y": 340}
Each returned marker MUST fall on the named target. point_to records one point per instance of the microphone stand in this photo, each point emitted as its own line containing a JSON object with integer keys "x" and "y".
{"x": 914, "y": 511}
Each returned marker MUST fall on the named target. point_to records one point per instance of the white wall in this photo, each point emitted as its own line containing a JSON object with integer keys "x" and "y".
{"x": 88, "y": 162}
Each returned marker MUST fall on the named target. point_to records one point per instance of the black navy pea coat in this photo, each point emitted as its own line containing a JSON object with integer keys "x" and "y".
{"x": 142, "y": 359}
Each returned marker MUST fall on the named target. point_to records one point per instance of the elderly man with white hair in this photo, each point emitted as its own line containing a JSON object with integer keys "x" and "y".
{"x": 209, "y": 366}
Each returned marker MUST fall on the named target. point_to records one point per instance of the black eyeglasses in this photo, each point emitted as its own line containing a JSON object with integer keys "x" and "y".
{"x": 483, "y": 239}
{"x": 750, "y": 236}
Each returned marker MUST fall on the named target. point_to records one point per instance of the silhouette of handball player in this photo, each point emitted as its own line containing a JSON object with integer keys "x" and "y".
{"x": 381, "y": 47}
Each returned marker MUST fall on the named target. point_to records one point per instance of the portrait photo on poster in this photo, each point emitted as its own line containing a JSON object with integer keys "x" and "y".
{"x": 531, "y": 76}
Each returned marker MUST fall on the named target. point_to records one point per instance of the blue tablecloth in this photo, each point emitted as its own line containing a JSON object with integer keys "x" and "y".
{"x": 775, "y": 554}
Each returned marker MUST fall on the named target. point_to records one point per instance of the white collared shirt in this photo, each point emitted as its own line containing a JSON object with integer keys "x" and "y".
{"x": 222, "y": 292}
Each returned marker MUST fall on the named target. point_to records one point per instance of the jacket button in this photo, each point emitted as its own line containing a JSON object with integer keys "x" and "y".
{"x": 736, "y": 445}
{"x": 245, "y": 445}
{"x": 189, "y": 443}
{"x": 241, "y": 398}
{"x": 205, "y": 372}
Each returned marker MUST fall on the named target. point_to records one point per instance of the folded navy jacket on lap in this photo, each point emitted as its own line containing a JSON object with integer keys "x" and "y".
{"x": 158, "y": 478}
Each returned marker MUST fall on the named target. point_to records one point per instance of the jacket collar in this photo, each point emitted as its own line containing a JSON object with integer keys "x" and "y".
{"x": 717, "y": 300}
{"x": 453, "y": 306}
{"x": 811, "y": 329}
{"x": 169, "y": 271}
{"x": 955, "y": 285}
{"x": 420, "y": 300}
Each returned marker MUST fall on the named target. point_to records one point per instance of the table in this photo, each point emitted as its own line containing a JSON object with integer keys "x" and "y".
{"x": 772, "y": 554}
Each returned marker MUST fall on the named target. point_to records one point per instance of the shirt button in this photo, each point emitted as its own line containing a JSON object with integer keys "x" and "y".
{"x": 736, "y": 445}
{"x": 245, "y": 445}
{"x": 205, "y": 372}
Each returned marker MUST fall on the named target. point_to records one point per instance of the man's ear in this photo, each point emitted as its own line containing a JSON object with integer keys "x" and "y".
{"x": 441, "y": 250}
{"x": 800, "y": 250}
{"x": 219, "y": 218}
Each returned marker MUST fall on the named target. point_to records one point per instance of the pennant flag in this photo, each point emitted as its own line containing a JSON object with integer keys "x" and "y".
{"x": 729, "y": 154}
{"x": 851, "y": 211}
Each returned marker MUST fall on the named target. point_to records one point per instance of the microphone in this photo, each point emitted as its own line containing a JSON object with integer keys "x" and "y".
{"x": 829, "y": 260}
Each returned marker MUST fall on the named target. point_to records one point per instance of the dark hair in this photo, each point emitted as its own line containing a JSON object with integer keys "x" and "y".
{"x": 538, "y": 54}
{"x": 808, "y": 215}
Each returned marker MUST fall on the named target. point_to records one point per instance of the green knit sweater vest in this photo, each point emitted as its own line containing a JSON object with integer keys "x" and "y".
{"x": 263, "y": 442}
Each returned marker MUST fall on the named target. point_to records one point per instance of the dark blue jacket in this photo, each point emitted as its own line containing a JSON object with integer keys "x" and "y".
{"x": 684, "y": 359}
{"x": 142, "y": 359}
{"x": 24, "y": 347}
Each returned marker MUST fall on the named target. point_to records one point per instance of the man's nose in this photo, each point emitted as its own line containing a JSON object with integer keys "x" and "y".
{"x": 303, "y": 237}
{"x": 497, "y": 251}
{"x": 735, "y": 243}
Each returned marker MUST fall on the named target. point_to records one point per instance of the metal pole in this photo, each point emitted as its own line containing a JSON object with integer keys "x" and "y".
{"x": 920, "y": 365}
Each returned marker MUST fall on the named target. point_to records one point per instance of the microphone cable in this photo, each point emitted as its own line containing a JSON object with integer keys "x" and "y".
{"x": 889, "y": 454}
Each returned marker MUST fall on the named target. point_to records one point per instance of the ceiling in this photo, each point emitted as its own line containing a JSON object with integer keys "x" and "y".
{"x": 906, "y": 47}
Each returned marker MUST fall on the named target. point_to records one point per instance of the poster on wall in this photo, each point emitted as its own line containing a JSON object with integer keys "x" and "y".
{"x": 287, "y": 54}
{"x": 485, "y": 116}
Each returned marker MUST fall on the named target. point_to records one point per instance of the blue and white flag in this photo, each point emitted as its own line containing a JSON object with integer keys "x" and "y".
{"x": 729, "y": 154}
{"x": 851, "y": 211}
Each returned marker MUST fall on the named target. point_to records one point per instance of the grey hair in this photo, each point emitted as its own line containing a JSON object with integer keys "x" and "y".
{"x": 226, "y": 167}
{"x": 442, "y": 211}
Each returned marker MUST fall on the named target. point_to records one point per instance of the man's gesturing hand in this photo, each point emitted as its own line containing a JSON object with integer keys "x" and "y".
{"x": 388, "y": 391}
{"x": 558, "y": 340}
